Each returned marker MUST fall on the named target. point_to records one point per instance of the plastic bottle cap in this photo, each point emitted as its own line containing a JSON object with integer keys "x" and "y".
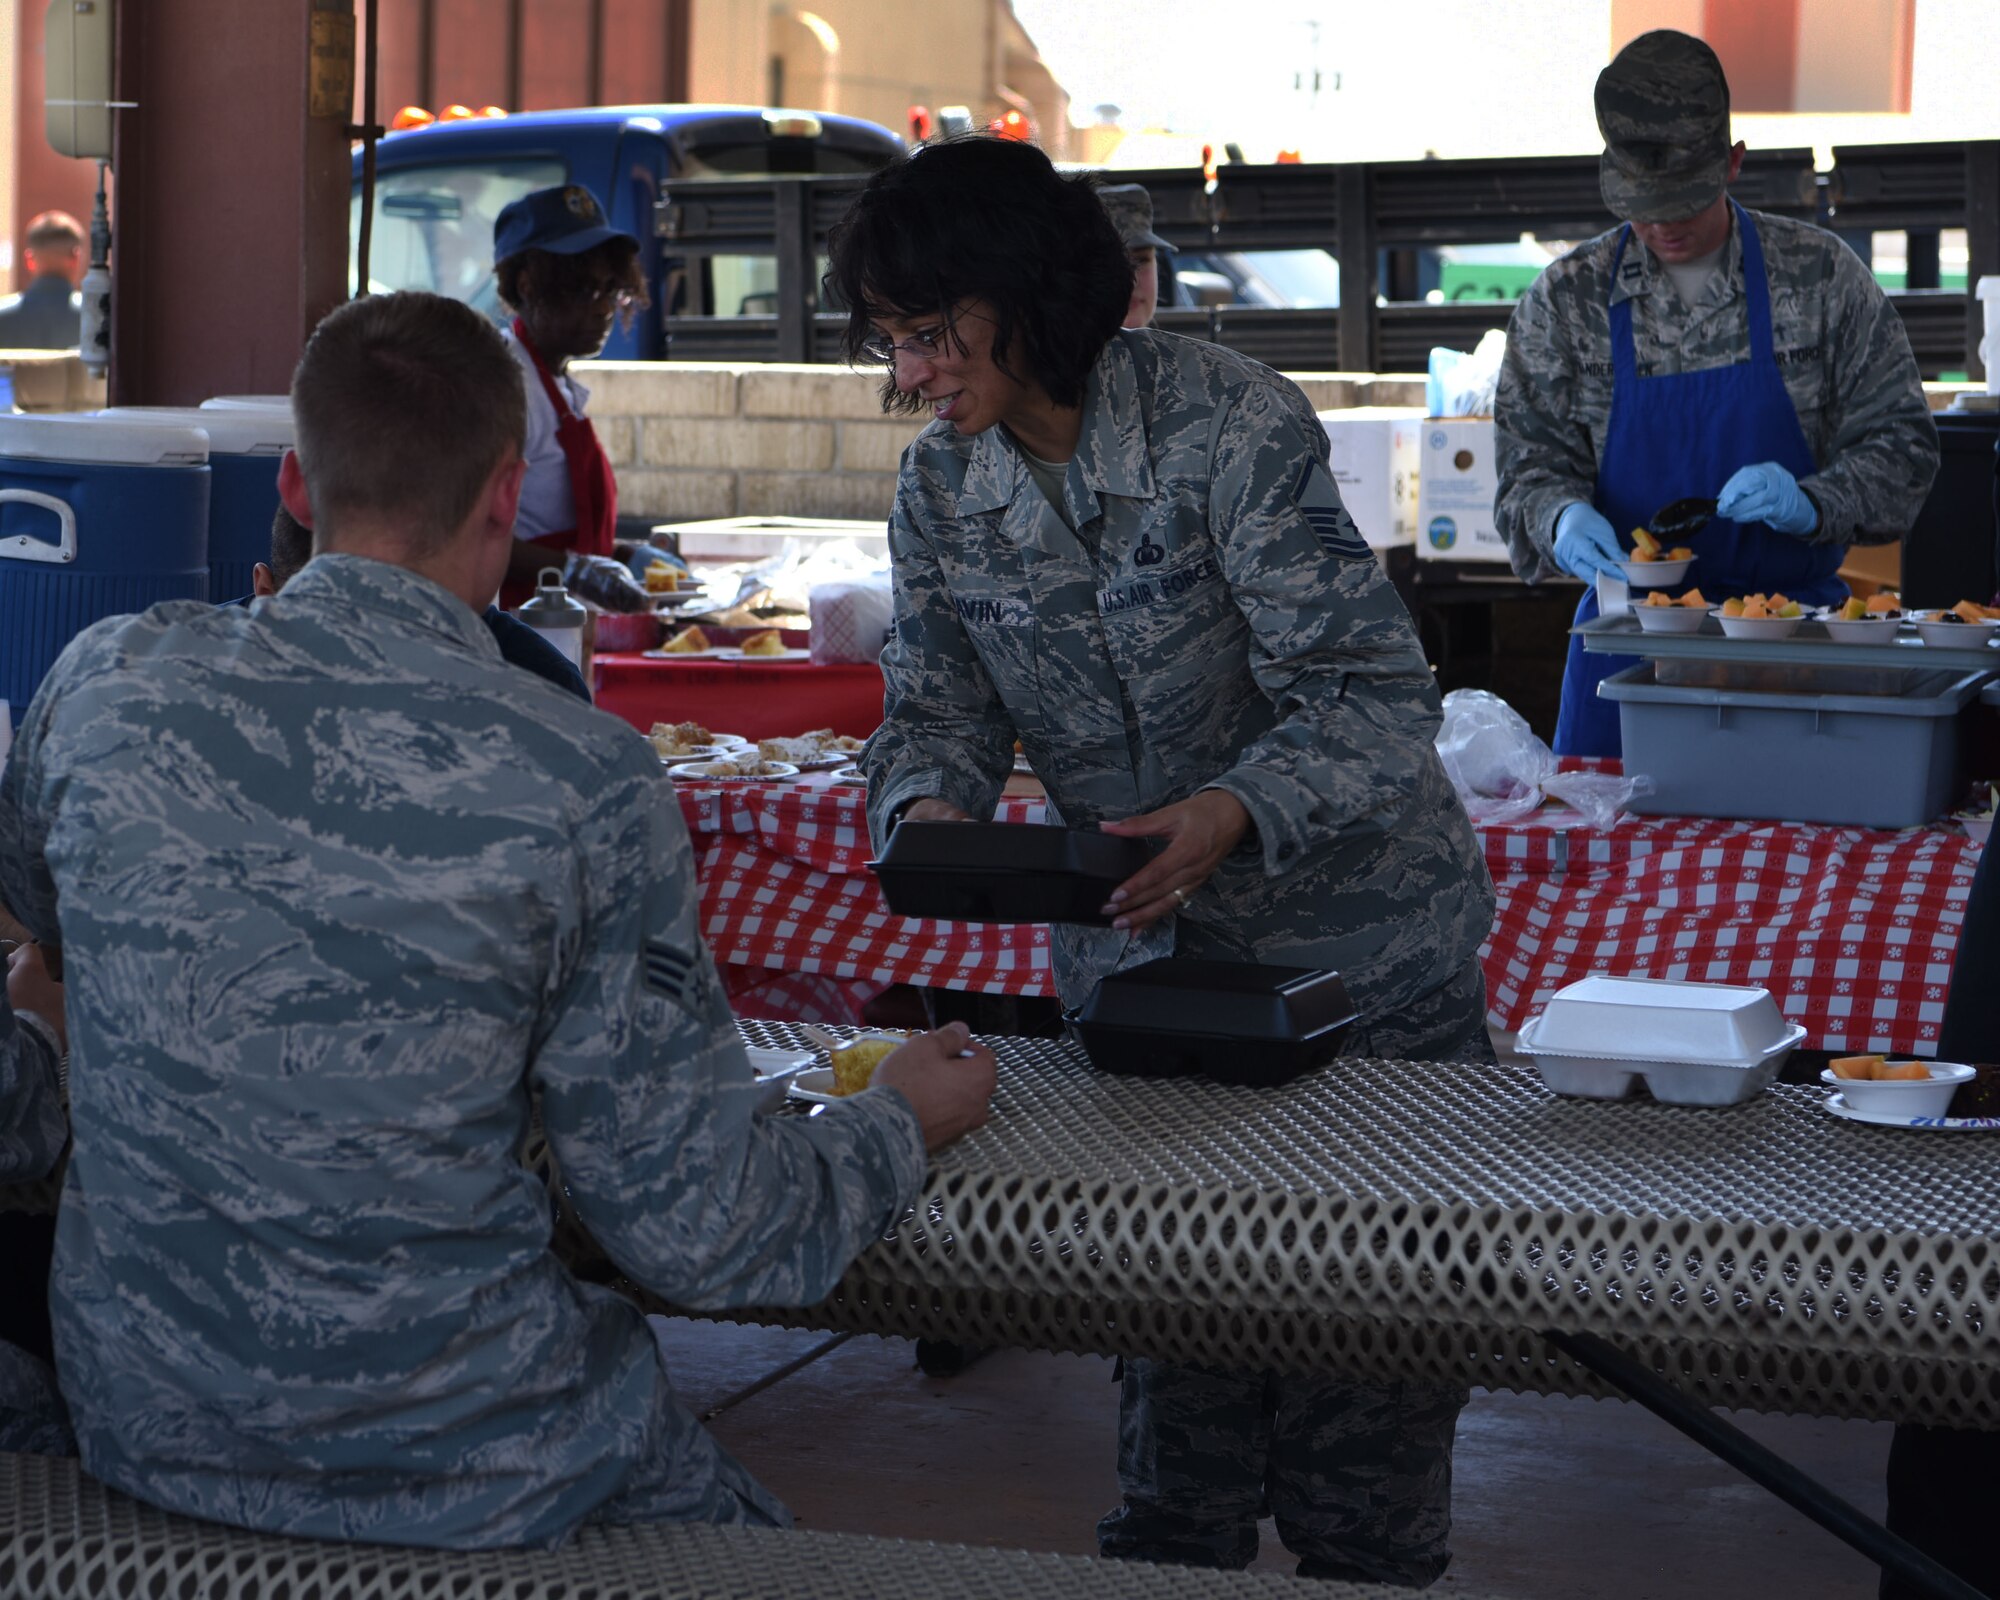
{"x": 551, "y": 607}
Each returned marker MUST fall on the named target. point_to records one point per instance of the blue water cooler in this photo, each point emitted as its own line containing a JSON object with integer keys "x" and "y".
{"x": 99, "y": 516}
{"x": 245, "y": 445}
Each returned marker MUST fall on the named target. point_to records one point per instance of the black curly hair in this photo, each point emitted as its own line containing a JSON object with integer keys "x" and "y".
{"x": 557, "y": 277}
{"x": 984, "y": 218}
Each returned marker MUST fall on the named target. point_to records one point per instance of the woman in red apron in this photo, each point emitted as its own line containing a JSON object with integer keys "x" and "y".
{"x": 566, "y": 274}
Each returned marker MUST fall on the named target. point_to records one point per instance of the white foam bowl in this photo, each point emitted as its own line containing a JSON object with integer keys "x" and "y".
{"x": 1655, "y": 574}
{"x": 1952, "y": 635}
{"x": 1670, "y": 619}
{"x": 1869, "y": 630}
{"x": 1756, "y": 627}
{"x": 1911, "y": 1097}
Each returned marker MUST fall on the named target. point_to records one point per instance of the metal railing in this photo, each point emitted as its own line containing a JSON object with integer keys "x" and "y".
{"x": 1376, "y": 219}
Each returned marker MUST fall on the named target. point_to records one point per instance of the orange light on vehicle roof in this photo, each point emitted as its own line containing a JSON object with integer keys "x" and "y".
{"x": 456, "y": 113}
{"x": 1208, "y": 162}
{"x": 920, "y": 124}
{"x": 1288, "y": 158}
{"x": 411, "y": 117}
{"x": 493, "y": 111}
{"x": 1011, "y": 125}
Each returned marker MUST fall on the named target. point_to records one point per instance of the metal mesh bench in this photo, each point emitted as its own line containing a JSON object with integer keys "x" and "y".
{"x": 1409, "y": 1220}
{"x": 63, "y": 1535}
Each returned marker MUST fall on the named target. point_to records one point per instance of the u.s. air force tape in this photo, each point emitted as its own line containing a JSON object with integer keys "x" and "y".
{"x": 674, "y": 974}
{"x": 1319, "y": 503}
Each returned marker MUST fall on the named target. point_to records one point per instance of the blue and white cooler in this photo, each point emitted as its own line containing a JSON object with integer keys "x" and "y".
{"x": 245, "y": 446}
{"x": 99, "y": 516}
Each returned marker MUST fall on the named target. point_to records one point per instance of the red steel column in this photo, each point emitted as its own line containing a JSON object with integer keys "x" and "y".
{"x": 232, "y": 197}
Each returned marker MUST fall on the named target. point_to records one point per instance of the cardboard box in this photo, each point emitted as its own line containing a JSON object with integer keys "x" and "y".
{"x": 1457, "y": 481}
{"x": 1374, "y": 459}
{"x": 51, "y": 381}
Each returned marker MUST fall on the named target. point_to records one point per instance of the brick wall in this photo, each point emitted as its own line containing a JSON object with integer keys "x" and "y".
{"x": 691, "y": 441}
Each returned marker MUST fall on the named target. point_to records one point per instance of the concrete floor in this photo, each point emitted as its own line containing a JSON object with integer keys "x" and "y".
{"x": 1556, "y": 1499}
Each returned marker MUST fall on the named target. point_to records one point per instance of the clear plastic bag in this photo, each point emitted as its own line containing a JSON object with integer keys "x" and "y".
{"x": 1459, "y": 384}
{"x": 1502, "y": 771}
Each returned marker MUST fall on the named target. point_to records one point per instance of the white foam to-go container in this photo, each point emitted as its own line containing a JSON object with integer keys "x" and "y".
{"x": 1694, "y": 1044}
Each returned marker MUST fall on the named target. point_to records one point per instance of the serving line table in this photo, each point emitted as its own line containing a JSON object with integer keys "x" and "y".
{"x": 758, "y": 699}
{"x": 1852, "y": 930}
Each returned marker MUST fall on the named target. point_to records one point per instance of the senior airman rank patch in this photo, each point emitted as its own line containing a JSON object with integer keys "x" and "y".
{"x": 1319, "y": 503}
{"x": 675, "y": 974}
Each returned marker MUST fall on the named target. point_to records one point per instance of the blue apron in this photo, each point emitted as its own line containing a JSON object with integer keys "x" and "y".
{"x": 1682, "y": 435}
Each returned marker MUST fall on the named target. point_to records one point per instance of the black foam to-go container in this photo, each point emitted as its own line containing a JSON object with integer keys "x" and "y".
{"x": 1233, "y": 1021}
{"x": 1004, "y": 871}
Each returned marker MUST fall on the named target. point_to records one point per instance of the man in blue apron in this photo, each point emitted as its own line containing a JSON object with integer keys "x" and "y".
{"x": 1700, "y": 350}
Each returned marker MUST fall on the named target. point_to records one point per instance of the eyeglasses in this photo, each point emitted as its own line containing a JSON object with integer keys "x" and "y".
{"x": 926, "y": 345}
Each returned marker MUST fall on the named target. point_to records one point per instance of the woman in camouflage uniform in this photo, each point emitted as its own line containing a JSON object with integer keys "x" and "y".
{"x": 1125, "y": 550}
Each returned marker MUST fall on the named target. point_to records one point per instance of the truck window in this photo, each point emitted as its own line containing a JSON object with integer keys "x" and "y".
{"x": 731, "y": 286}
{"x": 434, "y": 225}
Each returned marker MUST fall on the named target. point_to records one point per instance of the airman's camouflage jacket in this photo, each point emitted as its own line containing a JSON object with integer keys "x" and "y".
{"x": 1841, "y": 346}
{"x": 33, "y": 1131}
{"x": 1216, "y": 622}
{"x": 339, "y": 891}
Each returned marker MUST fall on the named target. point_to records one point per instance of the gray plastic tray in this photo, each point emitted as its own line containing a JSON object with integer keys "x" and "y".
{"x": 1871, "y": 761}
{"x": 1809, "y": 646}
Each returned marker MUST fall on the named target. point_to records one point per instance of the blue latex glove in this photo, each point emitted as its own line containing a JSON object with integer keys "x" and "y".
{"x": 1585, "y": 544}
{"x": 1767, "y": 493}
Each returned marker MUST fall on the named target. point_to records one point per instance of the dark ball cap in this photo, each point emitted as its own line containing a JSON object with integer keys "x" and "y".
{"x": 565, "y": 221}
{"x": 1663, "y": 108}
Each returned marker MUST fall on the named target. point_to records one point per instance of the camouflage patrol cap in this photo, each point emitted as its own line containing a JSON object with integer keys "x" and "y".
{"x": 1131, "y": 211}
{"x": 1663, "y": 108}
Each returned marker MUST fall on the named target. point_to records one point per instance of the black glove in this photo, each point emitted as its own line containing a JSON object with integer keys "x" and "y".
{"x": 605, "y": 583}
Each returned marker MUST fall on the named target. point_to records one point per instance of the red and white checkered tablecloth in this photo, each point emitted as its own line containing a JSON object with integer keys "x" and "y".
{"x": 786, "y": 896}
{"x": 1852, "y": 930}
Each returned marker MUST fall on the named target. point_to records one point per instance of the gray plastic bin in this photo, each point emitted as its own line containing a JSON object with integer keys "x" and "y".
{"x": 1871, "y": 761}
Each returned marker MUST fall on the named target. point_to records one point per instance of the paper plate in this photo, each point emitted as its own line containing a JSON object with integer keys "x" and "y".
{"x": 775, "y": 1070}
{"x": 1840, "y": 1108}
{"x": 698, "y": 772}
{"x": 815, "y": 1086}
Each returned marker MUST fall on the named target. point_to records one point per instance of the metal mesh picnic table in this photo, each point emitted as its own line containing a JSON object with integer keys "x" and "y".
{"x": 1403, "y": 1219}
{"x": 63, "y": 1535}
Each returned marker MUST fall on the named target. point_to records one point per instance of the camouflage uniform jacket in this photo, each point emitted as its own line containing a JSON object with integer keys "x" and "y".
{"x": 1217, "y": 622}
{"x": 33, "y": 1131}
{"x": 1841, "y": 346}
{"x": 338, "y": 891}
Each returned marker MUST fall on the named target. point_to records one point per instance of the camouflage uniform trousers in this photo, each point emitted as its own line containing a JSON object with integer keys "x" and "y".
{"x": 1356, "y": 1473}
